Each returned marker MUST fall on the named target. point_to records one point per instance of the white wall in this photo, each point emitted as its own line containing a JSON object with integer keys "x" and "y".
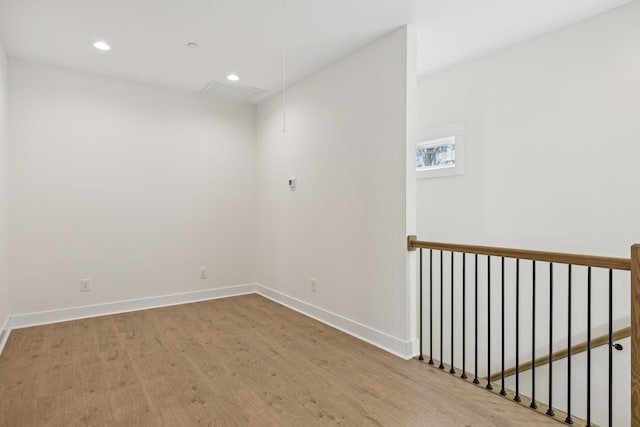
{"x": 133, "y": 186}
{"x": 551, "y": 149}
{"x": 346, "y": 223}
{"x": 551, "y": 142}
{"x": 4, "y": 275}
{"x": 599, "y": 381}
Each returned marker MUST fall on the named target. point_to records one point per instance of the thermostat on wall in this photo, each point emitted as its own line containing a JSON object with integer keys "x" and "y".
{"x": 292, "y": 184}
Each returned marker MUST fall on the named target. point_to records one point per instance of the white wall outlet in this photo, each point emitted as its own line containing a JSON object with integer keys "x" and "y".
{"x": 203, "y": 272}
{"x": 292, "y": 183}
{"x": 85, "y": 285}
{"x": 313, "y": 285}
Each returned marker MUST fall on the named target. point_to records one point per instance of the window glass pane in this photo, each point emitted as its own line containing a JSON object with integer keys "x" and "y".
{"x": 436, "y": 154}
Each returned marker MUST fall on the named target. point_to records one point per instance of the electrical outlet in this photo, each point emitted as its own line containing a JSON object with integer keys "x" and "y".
{"x": 85, "y": 285}
{"x": 313, "y": 285}
{"x": 203, "y": 272}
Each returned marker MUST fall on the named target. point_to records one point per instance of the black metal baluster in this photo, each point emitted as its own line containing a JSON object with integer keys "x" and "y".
{"x": 502, "y": 390}
{"x": 550, "y": 409}
{"x": 464, "y": 316}
{"x": 452, "y": 370}
{"x": 568, "y": 419}
{"x": 421, "y": 357}
{"x": 610, "y": 348}
{"x": 588, "y": 346}
{"x": 533, "y": 404}
{"x": 430, "y": 306}
{"x": 517, "y": 396}
{"x": 475, "y": 379}
{"x": 441, "y": 308}
{"x": 489, "y": 386}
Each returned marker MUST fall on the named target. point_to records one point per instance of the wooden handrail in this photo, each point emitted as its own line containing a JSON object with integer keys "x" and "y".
{"x": 562, "y": 354}
{"x": 556, "y": 257}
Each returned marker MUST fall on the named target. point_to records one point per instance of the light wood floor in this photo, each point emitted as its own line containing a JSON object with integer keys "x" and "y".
{"x": 242, "y": 361}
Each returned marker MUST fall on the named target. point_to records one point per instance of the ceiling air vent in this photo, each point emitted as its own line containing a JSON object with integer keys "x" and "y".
{"x": 233, "y": 93}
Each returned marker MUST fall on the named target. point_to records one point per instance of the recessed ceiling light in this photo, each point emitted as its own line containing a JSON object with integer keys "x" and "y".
{"x": 193, "y": 45}
{"x": 233, "y": 77}
{"x": 101, "y": 45}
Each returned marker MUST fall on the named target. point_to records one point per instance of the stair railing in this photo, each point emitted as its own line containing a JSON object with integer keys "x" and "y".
{"x": 456, "y": 263}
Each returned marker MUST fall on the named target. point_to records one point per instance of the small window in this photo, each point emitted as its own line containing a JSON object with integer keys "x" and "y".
{"x": 436, "y": 154}
{"x": 440, "y": 151}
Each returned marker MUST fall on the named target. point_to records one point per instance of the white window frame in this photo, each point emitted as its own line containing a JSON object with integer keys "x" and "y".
{"x": 440, "y": 135}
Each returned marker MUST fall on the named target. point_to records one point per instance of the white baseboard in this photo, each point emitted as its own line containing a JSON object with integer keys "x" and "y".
{"x": 5, "y": 331}
{"x": 396, "y": 346}
{"x": 74, "y": 313}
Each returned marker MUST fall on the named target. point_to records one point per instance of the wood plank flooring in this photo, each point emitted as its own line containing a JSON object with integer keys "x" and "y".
{"x": 242, "y": 361}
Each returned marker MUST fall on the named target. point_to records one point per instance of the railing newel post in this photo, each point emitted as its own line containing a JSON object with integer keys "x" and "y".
{"x": 635, "y": 335}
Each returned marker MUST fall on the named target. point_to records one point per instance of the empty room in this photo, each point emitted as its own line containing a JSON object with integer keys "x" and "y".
{"x": 306, "y": 213}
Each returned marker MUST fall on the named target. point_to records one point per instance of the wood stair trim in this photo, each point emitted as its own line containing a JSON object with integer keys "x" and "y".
{"x": 544, "y": 256}
{"x": 564, "y": 353}
{"x": 559, "y": 416}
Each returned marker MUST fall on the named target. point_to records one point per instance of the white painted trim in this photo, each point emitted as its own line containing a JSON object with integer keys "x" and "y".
{"x": 83, "y": 312}
{"x": 396, "y": 346}
{"x": 5, "y": 331}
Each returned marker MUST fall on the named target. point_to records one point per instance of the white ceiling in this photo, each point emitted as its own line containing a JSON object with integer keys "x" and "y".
{"x": 149, "y": 37}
